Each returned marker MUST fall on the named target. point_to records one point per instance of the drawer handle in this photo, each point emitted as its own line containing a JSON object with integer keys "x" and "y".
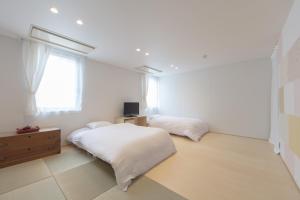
{"x": 29, "y": 149}
{"x": 29, "y": 136}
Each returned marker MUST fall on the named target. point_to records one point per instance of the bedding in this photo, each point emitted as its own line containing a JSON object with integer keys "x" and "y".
{"x": 98, "y": 124}
{"x": 131, "y": 150}
{"x": 190, "y": 127}
{"x": 74, "y": 137}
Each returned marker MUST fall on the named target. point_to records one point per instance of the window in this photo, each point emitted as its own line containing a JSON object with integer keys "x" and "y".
{"x": 152, "y": 93}
{"x": 61, "y": 84}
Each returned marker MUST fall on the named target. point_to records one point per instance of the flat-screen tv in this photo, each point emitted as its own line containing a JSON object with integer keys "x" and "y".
{"x": 131, "y": 109}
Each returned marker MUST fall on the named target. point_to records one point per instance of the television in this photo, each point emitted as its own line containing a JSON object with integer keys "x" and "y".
{"x": 131, "y": 109}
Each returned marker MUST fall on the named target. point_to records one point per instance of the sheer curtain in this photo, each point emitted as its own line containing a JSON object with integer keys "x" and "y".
{"x": 54, "y": 79}
{"x": 144, "y": 93}
{"x": 35, "y": 56}
{"x": 61, "y": 86}
{"x": 152, "y": 96}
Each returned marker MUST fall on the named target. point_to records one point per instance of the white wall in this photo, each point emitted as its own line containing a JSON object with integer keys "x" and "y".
{"x": 105, "y": 89}
{"x": 11, "y": 85}
{"x": 291, "y": 29}
{"x": 290, "y": 35}
{"x": 233, "y": 99}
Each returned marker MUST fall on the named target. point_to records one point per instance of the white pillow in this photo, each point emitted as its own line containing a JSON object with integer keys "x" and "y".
{"x": 74, "y": 137}
{"x": 98, "y": 124}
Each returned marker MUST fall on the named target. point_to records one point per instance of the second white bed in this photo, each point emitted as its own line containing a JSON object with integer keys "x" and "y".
{"x": 189, "y": 127}
{"x": 131, "y": 150}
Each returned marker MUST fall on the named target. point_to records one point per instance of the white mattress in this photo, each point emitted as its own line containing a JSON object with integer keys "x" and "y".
{"x": 190, "y": 127}
{"x": 131, "y": 150}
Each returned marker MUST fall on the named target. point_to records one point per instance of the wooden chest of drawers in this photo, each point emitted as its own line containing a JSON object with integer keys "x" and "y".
{"x": 16, "y": 149}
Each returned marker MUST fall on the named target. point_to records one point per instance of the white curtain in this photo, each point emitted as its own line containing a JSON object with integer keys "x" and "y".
{"x": 144, "y": 93}
{"x": 66, "y": 68}
{"x": 35, "y": 56}
{"x": 152, "y": 97}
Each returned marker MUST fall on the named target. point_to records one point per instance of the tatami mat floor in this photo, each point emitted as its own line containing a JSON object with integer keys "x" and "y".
{"x": 73, "y": 175}
{"x": 220, "y": 167}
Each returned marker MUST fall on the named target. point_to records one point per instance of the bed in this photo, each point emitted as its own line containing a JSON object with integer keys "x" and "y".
{"x": 131, "y": 150}
{"x": 189, "y": 127}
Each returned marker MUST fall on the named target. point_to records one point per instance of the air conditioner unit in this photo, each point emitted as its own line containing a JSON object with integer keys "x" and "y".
{"x": 50, "y": 37}
{"x": 146, "y": 69}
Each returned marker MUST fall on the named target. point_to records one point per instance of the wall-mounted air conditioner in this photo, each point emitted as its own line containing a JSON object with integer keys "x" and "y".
{"x": 146, "y": 69}
{"x": 50, "y": 37}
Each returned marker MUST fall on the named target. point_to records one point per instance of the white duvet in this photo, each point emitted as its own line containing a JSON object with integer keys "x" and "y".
{"x": 131, "y": 150}
{"x": 190, "y": 127}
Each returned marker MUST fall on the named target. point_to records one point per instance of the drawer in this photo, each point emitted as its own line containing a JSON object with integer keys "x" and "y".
{"x": 28, "y": 140}
{"x": 21, "y": 154}
{"x": 45, "y": 138}
{"x": 141, "y": 121}
{"x": 26, "y": 150}
{"x": 131, "y": 121}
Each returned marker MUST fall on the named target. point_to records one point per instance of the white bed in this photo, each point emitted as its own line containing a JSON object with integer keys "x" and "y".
{"x": 131, "y": 150}
{"x": 190, "y": 127}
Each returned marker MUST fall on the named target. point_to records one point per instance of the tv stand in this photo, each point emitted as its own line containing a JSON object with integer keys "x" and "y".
{"x": 130, "y": 116}
{"x": 137, "y": 120}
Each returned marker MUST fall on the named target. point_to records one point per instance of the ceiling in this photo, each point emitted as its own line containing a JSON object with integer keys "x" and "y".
{"x": 177, "y": 32}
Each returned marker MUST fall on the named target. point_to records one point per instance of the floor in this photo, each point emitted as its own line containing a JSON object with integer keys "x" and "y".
{"x": 225, "y": 167}
{"x": 73, "y": 175}
{"x": 218, "y": 167}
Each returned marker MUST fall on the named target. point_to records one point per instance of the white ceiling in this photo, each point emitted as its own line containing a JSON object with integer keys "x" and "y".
{"x": 175, "y": 32}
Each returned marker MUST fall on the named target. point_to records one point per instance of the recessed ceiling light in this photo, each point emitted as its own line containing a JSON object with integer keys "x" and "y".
{"x": 54, "y": 10}
{"x": 79, "y": 22}
{"x": 138, "y": 50}
{"x": 171, "y": 66}
{"x": 176, "y": 68}
{"x": 147, "y": 54}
